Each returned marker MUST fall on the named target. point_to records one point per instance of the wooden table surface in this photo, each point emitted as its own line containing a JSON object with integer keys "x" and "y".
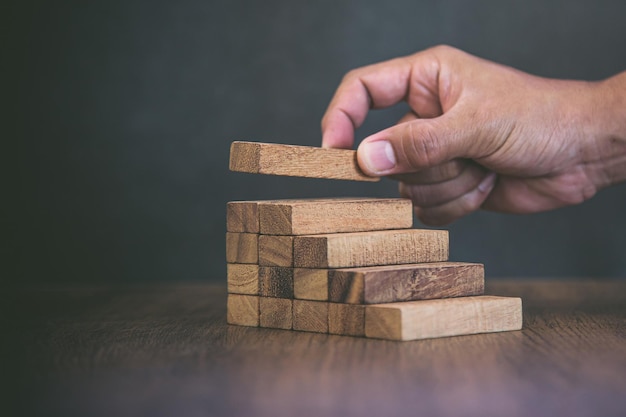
{"x": 165, "y": 350}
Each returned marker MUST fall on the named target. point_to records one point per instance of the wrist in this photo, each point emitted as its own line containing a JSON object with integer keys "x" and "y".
{"x": 605, "y": 129}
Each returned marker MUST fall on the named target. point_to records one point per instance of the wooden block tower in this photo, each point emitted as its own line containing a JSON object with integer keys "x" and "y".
{"x": 347, "y": 266}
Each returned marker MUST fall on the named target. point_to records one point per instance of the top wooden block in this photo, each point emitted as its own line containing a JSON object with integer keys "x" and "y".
{"x": 296, "y": 161}
{"x": 334, "y": 215}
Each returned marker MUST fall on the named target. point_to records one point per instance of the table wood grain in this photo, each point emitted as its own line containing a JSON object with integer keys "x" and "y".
{"x": 166, "y": 350}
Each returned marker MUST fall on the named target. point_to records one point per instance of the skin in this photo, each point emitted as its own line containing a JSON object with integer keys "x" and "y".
{"x": 483, "y": 135}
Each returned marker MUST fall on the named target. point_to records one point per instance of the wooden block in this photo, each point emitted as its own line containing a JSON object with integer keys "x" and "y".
{"x": 392, "y": 283}
{"x": 387, "y": 247}
{"x": 276, "y": 313}
{"x": 315, "y": 216}
{"x": 242, "y": 310}
{"x": 242, "y": 248}
{"x": 243, "y": 279}
{"x": 346, "y": 319}
{"x": 426, "y": 319}
{"x": 310, "y": 316}
{"x": 242, "y": 217}
{"x": 275, "y": 250}
{"x": 296, "y": 161}
{"x": 276, "y": 281}
{"x": 310, "y": 284}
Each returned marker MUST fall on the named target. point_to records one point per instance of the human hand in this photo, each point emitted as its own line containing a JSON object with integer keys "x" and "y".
{"x": 482, "y": 135}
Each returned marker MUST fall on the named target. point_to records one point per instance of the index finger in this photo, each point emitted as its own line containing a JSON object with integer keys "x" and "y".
{"x": 375, "y": 86}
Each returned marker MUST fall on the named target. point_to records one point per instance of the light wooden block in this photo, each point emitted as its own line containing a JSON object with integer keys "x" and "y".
{"x": 275, "y": 250}
{"x": 392, "y": 283}
{"x": 242, "y": 217}
{"x": 334, "y": 215}
{"x": 276, "y": 313}
{"x": 296, "y": 161}
{"x": 346, "y": 319}
{"x": 243, "y": 279}
{"x": 242, "y": 248}
{"x": 387, "y": 247}
{"x": 276, "y": 281}
{"x": 242, "y": 310}
{"x": 310, "y": 284}
{"x": 426, "y": 319}
{"x": 310, "y": 316}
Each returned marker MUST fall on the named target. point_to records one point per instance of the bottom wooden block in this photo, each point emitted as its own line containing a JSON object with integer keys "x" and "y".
{"x": 276, "y": 312}
{"x": 346, "y": 319}
{"x": 242, "y": 310}
{"x": 310, "y": 316}
{"x": 426, "y": 319}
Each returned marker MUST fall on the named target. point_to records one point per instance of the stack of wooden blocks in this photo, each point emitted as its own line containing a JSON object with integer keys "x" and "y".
{"x": 353, "y": 267}
{"x": 347, "y": 266}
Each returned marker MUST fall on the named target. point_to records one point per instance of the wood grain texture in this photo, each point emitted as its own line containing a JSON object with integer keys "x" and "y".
{"x": 310, "y": 316}
{"x": 310, "y": 284}
{"x": 276, "y": 281}
{"x": 276, "y": 313}
{"x": 242, "y": 310}
{"x": 242, "y": 217}
{"x": 387, "y": 247}
{"x": 426, "y": 319}
{"x": 242, "y": 278}
{"x": 296, "y": 161}
{"x": 334, "y": 215}
{"x": 242, "y": 248}
{"x": 158, "y": 348}
{"x": 275, "y": 250}
{"x": 393, "y": 283}
{"x": 346, "y": 319}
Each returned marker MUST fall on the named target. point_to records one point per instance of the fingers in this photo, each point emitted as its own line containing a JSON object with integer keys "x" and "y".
{"x": 418, "y": 144}
{"x": 413, "y": 78}
{"x": 433, "y": 175}
{"x": 452, "y": 210}
{"x": 428, "y": 195}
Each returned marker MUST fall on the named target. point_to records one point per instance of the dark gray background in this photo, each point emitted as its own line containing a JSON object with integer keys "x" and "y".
{"x": 119, "y": 116}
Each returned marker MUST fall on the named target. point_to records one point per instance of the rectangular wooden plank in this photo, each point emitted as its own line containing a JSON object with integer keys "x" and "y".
{"x": 296, "y": 161}
{"x": 334, "y": 215}
{"x": 242, "y": 279}
{"x": 346, "y": 319}
{"x": 310, "y": 284}
{"x": 310, "y": 316}
{"x": 275, "y": 250}
{"x": 386, "y": 247}
{"x": 276, "y": 281}
{"x": 409, "y": 282}
{"x": 242, "y": 248}
{"x": 412, "y": 320}
{"x": 242, "y": 217}
{"x": 276, "y": 313}
{"x": 242, "y": 310}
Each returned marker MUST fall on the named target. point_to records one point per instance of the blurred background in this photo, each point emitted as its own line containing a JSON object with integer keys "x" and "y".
{"x": 119, "y": 116}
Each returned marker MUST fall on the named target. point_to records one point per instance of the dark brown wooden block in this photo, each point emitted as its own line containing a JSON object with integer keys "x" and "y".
{"x": 276, "y": 313}
{"x": 243, "y": 278}
{"x": 334, "y": 215}
{"x": 393, "y": 283}
{"x": 275, "y": 250}
{"x": 346, "y": 319}
{"x": 310, "y": 316}
{"x": 385, "y": 247}
{"x": 242, "y": 310}
{"x": 276, "y": 281}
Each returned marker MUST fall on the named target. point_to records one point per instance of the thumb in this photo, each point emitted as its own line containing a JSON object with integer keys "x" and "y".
{"x": 415, "y": 145}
